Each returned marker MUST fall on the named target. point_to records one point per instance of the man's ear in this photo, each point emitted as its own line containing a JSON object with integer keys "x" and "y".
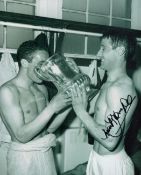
{"x": 24, "y": 63}
{"x": 120, "y": 50}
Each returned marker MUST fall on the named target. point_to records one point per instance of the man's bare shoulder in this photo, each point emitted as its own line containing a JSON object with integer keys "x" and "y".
{"x": 8, "y": 90}
{"x": 123, "y": 88}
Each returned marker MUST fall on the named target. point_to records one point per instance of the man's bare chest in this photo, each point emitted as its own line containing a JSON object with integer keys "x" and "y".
{"x": 32, "y": 103}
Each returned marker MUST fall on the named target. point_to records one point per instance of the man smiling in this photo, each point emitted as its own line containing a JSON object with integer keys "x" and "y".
{"x": 113, "y": 109}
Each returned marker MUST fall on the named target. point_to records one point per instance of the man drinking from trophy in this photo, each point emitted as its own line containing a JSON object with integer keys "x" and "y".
{"x": 29, "y": 117}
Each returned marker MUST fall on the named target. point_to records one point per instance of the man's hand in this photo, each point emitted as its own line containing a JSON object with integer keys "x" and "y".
{"x": 60, "y": 101}
{"x": 79, "y": 98}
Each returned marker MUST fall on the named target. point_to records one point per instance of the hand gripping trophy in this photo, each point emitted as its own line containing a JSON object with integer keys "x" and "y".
{"x": 63, "y": 73}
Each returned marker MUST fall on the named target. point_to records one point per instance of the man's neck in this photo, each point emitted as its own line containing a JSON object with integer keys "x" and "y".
{"x": 115, "y": 74}
{"x": 24, "y": 81}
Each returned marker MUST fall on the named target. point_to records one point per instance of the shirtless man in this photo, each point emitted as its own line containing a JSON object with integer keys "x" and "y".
{"x": 113, "y": 109}
{"x": 29, "y": 117}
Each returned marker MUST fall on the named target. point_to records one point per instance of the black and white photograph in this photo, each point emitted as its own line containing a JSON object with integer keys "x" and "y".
{"x": 70, "y": 87}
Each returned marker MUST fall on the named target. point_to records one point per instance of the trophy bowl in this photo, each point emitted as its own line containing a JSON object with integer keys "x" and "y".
{"x": 63, "y": 73}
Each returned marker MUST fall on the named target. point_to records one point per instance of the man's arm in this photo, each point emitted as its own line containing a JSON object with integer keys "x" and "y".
{"x": 116, "y": 117}
{"x": 13, "y": 116}
{"x": 58, "y": 118}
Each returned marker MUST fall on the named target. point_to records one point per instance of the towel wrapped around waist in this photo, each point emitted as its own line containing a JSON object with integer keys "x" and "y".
{"x": 32, "y": 158}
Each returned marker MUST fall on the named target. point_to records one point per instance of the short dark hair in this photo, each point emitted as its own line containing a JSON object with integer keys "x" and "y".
{"x": 122, "y": 38}
{"x": 27, "y": 49}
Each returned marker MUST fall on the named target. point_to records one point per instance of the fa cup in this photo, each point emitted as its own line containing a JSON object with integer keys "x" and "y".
{"x": 63, "y": 73}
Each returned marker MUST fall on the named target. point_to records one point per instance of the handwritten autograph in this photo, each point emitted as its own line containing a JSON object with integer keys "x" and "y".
{"x": 113, "y": 119}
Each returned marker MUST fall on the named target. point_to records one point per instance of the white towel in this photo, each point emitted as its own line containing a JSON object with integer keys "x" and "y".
{"x": 114, "y": 164}
{"x": 32, "y": 158}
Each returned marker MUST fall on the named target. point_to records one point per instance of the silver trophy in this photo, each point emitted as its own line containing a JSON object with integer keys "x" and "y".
{"x": 63, "y": 73}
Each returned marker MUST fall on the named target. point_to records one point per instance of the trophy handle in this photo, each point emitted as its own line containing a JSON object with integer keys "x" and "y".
{"x": 71, "y": 64}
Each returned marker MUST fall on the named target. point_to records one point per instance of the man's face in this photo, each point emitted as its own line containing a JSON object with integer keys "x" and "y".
{"x": 107, "y": 54}
{"x": 38, "y": 56}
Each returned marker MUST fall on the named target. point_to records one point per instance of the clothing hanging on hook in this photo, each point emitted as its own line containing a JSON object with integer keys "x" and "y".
{"x": 8, "y": 68}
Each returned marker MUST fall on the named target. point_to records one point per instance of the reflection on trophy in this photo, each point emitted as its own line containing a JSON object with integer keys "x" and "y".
{"x": 63, "y": 73}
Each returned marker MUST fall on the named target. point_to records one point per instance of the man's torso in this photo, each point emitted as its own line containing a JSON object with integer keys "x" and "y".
{"x": 32, "y": 101}
{"x": 101, "y": 107}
